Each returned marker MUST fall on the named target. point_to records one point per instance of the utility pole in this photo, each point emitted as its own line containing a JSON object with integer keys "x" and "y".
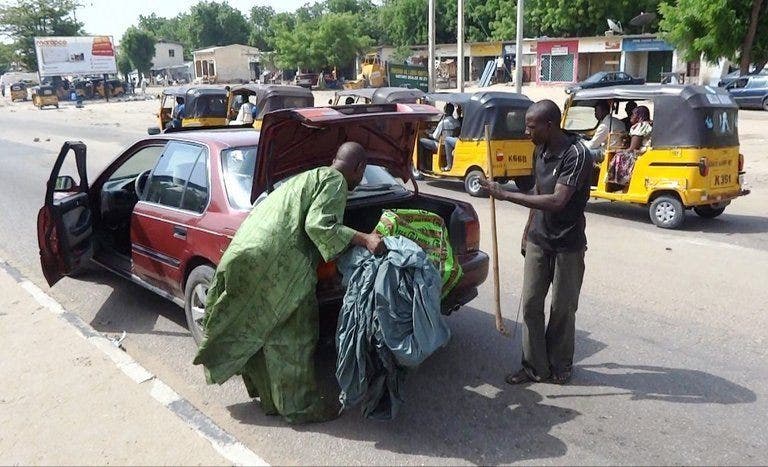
{"x": 460, "y": 47}
{"x": 519, "y": 49}
{"x": 431, "y": 45}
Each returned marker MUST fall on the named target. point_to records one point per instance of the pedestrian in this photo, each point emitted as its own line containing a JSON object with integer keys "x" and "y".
{"x": 178, "y": 114}
{"x": 262, "y": 312}
{"x": 143, "y": 84}
{"x": 554, "y": 243}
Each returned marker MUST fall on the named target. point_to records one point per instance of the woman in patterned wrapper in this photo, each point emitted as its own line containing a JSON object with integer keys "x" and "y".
{"x": 622, "y": 164}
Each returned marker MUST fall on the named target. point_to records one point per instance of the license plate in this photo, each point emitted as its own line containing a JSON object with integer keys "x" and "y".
{"x": 722, "y": 180}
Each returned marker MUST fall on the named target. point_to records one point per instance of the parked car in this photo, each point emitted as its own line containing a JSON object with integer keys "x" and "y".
{"x": 163, "y": 212}
{"x": 602, "y": 79}
{"x": 734, "y": 75}
{"x": 306, "y": 80}
{"x": 750, "y": 92}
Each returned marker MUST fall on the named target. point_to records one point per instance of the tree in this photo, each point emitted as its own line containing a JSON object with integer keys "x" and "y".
{"x": 25, "y": 19}
{"x": 332, "y": 39}
{"x": 716, "y": 29}
{"x": 260, "y": 19}
{"x": 6, "y": 57}
{"x": 139, "y": 47}
{"x": 124, "y": 64}
{"x": 212, "y": 24}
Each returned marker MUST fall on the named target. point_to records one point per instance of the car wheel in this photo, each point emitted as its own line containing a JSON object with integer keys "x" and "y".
{"x": 667, "y": 212}
{"x": 765, "y": 104}
{"x": 708, "y": 212}
{"x": 195, "y": 295}
{"x": 525, "y": 184}
{"x": 472, "y": 183}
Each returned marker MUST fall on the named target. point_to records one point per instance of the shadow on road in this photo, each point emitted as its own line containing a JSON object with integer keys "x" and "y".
{"x": 727, "y": 223}
{"x": 458, "y": 406}
{"x": 645, "y": 382}
{"x": 131, "y": 308}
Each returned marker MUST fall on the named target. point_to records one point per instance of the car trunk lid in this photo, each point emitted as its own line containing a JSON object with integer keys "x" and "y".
{"x": 293, "y": 141}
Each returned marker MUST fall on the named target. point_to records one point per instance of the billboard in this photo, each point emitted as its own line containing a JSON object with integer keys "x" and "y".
{"x": 81, "y": 55}
{"x": 407, "y": 76}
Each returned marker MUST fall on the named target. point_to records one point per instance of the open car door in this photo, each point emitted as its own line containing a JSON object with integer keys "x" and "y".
{"x": 65, "y": 223}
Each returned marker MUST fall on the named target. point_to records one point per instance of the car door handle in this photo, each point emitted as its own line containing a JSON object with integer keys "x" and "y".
{"x": 180, "y": 232}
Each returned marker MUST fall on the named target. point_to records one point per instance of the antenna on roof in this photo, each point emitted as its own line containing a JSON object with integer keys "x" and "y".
{"x": 614, "y": 27}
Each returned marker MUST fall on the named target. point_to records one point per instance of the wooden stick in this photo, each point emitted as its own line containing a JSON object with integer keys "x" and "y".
{"x": 496, "y": 292}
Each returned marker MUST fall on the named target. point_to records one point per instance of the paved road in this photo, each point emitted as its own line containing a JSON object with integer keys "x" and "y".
{"x": 671, "y": 344}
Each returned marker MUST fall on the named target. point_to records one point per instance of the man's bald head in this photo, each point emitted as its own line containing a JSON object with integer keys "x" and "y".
{"x": 545, "y": 111}
{"x": 351, "y": 160}
{"x": 542, "y": 121}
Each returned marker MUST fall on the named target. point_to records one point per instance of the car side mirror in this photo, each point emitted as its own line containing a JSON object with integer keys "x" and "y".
{"x": 330, "y": 101}
{"x": 64, "y": 183}
{"x": 153, "y": 130}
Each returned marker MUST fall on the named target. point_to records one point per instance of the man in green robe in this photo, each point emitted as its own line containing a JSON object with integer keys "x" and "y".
{"x": 262, "y": 313}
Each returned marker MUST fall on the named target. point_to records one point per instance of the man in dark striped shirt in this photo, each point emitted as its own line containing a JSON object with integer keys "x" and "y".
{"x": 553, "y": 244}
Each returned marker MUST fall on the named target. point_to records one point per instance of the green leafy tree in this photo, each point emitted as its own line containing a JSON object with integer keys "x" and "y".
{"x": 718, "y": 28}
{"x": 139, "y": 47}
{"x": 332, "y": 39}
{"x": 124, "y": 64}
{"x": 22, "y": 20}
{"x": 260, "y": 19}
{"x": 212, "y": 23}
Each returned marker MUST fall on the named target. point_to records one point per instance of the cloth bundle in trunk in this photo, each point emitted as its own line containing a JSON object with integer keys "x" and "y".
{"x": 427, "y": 230}
{"x": 390, "y": 320}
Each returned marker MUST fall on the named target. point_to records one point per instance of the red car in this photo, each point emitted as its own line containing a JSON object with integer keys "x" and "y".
{"x": 165, "y": 210}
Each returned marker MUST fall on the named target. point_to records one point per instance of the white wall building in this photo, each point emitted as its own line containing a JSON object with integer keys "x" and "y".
{"x": 234, "y": 63}
{"x": 167, "y": 54}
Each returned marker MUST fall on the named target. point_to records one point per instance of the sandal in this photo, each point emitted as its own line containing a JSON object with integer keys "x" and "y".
{"x": 560, "y": 378}
{"x": 520, "y": 377}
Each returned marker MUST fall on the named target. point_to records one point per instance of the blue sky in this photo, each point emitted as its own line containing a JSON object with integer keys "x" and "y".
{"x": 113, "y": 17}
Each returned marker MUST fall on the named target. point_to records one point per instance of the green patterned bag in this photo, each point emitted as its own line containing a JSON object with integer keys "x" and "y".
{"x": 428, "y": 231}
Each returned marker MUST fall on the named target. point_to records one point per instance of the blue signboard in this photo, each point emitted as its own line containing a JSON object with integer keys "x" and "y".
{"x": 645, "y": 44}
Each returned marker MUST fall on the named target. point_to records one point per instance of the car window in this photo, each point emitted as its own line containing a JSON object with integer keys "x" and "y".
{"x": 143, "y": 159}
{"x": 238, "y": 166}
{"x": 168, "y": 181}
{"x": 196, "y": 192}
{"x": 622, "y": 76}
{"x": 755, "y": 83}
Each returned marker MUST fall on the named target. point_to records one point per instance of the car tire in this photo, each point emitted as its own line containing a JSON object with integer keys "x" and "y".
{"x": 765, "y": 104}
{"x": 195, "y": 294}
{"x": 525, "y": 184}
{"x": 667, "y": 212}
{"x": 708, "y": 212}
{"x": 472, "y": 183}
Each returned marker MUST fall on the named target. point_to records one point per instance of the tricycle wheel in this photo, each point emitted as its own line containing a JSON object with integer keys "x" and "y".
{"x": 667, "y": 212}
{"x": 708, "y": 212}
{"x": 472, "y": 183}
{"x": 195, "y": 296}
{"x": 525, "y": 184}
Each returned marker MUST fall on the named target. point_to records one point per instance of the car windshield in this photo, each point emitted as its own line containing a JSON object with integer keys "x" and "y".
{"x": 595, "y": 78}
{"x": 580, "y": 118}
{"x": 238, "y": 165}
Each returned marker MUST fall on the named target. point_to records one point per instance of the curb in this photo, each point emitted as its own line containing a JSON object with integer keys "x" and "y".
{"x": 224, "y": 443}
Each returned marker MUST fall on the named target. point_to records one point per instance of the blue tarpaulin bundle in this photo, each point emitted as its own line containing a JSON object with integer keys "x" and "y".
{"x": 390, "y": 320}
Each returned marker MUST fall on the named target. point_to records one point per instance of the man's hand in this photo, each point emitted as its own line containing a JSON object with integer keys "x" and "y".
{"x": 494, "y": 189}
{"x": 375, "y": 244}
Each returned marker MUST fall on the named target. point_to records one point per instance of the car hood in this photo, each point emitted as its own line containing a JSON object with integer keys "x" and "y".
{"x": 295, "y": 140}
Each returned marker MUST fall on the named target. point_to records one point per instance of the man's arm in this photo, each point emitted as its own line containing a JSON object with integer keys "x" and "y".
{"x": 553, "y": 202}
{"x": 438, "y": 131}
{"x": 600, "y": 136}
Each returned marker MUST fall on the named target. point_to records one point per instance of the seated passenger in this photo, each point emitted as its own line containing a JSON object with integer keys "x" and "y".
{"x": 622, "y": 164}
{"x": 446, "y": 128}
{"x": 629, "y": 108}
{"x": 608, "y": 126}
{"x": 245, "y": 114}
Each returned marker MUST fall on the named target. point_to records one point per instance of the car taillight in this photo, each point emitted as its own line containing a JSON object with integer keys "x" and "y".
{"x": 741, "y": 162}
{"x": 472, "y": 234}
{"x": 703, "y": 169}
